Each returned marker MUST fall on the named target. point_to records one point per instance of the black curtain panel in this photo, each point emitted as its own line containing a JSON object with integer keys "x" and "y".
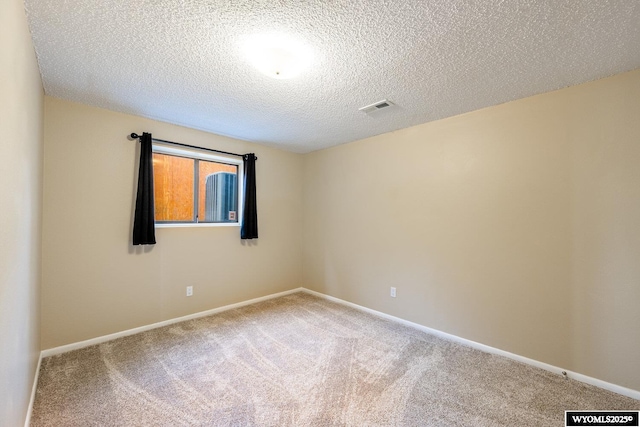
{"x": 249, "y": 228}
{"x": 144, "y": 231}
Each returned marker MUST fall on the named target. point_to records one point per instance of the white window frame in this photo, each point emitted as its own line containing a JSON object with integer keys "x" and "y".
{"x": 160, "y": 148}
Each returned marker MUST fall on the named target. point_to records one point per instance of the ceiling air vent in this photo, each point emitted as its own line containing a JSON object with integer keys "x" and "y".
{"x": 376, "y": 106}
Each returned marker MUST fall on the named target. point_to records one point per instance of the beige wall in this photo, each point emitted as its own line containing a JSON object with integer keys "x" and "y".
{"x": 20, "y": 212}
{"x": 95, "y": 282}
{"x": 516, "y": 226}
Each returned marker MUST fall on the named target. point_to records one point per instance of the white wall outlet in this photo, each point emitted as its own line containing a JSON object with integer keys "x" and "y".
{"x": 393, "y": 292}
{"x": 189, "y": 291}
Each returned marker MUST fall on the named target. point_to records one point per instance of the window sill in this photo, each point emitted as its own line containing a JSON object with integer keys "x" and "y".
{"x": 199, "y": 225}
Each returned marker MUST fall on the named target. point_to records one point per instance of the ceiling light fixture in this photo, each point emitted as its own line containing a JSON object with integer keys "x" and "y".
{"x": 277, "y": 55}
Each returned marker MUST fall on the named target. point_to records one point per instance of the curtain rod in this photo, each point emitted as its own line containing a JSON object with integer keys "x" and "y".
{"x": 136, "y": 136}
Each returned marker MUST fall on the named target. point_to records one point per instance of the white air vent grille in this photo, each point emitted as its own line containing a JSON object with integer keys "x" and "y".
{"x": 385, "y": 103}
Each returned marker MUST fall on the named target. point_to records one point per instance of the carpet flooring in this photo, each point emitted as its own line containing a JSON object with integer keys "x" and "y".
{"x": 300, "y": 360}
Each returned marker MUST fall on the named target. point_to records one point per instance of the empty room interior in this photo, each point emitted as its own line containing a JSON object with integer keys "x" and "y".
{"x": 314, "y": 213}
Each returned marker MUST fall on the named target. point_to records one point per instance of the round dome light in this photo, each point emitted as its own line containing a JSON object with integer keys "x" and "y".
{"x": 277, "y": 56}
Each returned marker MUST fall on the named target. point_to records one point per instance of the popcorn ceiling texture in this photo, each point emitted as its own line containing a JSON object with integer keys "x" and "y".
{"x": 180, "y": 62}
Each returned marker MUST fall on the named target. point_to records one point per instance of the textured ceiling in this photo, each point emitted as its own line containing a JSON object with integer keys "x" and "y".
{"x": 180, "y": 61}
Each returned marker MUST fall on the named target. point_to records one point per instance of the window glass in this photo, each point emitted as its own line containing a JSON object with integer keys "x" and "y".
{"x": 217, "y": 192}
{"x": 178, "y": 199}
{"x": 173, "y": 179}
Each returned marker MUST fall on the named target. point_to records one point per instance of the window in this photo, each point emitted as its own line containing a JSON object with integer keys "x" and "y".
{"x": 192, "y": 187}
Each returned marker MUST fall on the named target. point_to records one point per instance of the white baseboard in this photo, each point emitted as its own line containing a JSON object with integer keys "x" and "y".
{"x": 27, "y": 420}
{"x": 105, "y": 338}
{"x": 634, "y": 394}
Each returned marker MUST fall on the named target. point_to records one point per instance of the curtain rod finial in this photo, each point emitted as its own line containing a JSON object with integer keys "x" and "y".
{"x": 134, "y": 135}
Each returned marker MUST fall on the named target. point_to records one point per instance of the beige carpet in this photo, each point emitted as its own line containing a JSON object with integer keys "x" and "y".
{"x": 300, "y": 361}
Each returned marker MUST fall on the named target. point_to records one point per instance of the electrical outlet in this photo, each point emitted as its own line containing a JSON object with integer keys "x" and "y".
{"x": 189, "y": 291}
{"x": 393, "y": 292}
